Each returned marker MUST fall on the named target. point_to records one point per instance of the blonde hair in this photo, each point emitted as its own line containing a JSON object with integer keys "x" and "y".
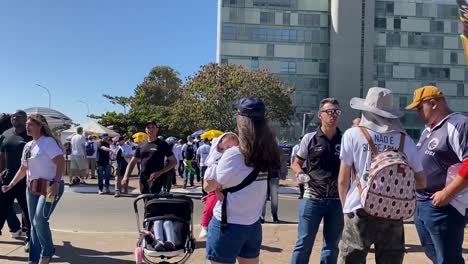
{"x": 41, "y": 121}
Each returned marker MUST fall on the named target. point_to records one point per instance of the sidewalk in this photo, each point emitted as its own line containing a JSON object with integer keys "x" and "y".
{"x": 117, "y": 248}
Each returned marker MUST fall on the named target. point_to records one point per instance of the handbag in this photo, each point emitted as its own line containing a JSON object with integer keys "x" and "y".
{"x": 38, "y": 186}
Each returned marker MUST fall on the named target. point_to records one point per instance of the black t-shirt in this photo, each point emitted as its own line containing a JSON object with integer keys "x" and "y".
{"x": 152, "y": 156}
{"x": 102, "y": 156}
{"x": 12, "y": 144}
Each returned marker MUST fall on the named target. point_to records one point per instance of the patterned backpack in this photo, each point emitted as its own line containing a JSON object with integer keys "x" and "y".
{"x": 390, "y": 191}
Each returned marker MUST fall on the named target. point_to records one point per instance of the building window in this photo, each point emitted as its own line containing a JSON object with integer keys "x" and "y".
{"x": 224, "y": 61}
{"x": 233, "y": 17}
{"x": 380, "y": 23}
{"x": 393, "y": 39}
{"x": 254, "y": 64}
{"x": 397, "y": 23}
{"x": 382, "y": 84}
{"x": 267, "y": 18}
{"x": 403, "y": 101}
{"x": 437, "y": 26}
{"x": 460, "y": 89}
{"x": 270, "y": 50}
{"x": 323, "y": 67}
{"x": 453, "y": 58}
{"x": 379, "y": 55}
{"x": 229, "y": 32}
{"x": 286, "y": 18}
{"x": 259, "y": 33}
{"x": 309, "y": 20}
{"x": 288, "y": 67}
{"x": 389, "y": 9}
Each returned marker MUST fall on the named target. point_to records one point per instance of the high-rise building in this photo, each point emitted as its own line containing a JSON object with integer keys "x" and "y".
{"x": 340, "y": 48}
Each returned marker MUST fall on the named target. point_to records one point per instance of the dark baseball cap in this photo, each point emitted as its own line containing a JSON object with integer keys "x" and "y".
{"x": 20, "y": 113}
{"x": 151, "y": 122}
{"x": 251, "y": 107}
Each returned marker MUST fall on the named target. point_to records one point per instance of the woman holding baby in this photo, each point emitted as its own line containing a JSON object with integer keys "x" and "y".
{"x": 257, "y": 154}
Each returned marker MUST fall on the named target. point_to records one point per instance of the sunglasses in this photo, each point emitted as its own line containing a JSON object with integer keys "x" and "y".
{"x": 331, "y": 111}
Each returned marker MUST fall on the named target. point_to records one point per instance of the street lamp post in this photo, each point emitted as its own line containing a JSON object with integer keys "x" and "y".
{"x": 47, "y": 90}
{"x": 87, "y": 106}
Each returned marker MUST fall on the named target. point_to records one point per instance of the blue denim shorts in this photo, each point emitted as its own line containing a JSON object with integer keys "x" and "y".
{"x": 235, "y": 241}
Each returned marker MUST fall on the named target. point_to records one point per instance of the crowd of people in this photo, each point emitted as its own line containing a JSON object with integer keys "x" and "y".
{"x": 339, "y": 173}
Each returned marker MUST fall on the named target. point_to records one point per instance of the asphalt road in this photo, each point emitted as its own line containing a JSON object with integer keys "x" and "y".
{"x": 80, "y": 212}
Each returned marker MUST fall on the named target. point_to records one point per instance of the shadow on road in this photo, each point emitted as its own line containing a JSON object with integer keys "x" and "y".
{"x": 200, "y": 245}
{"x": 69, "y": 253}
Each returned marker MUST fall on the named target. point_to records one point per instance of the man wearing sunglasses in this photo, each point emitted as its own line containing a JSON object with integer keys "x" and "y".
{"x": 321, "y": 150}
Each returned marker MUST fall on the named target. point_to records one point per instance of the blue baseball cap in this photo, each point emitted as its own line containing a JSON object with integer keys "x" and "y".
{"x": 251, "y": 107}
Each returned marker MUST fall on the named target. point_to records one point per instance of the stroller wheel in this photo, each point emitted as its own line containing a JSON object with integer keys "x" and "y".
{"x": 138, "y": 255}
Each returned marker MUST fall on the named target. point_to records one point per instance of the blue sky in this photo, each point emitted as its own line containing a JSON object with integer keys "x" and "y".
{"x": 82, "y": 49}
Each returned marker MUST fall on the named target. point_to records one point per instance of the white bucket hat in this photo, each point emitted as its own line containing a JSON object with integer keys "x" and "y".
{"x": 378, "y": 101}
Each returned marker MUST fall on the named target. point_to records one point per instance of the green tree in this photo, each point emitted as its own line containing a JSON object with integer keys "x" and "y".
{"x": 207, "y": 100}
{"x": 152, "y": 100}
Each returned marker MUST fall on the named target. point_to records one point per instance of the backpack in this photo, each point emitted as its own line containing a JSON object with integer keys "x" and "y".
{"x": 190, "y": 152}
{"x": 90, "y": 149}
{"x": 390, "y": 192}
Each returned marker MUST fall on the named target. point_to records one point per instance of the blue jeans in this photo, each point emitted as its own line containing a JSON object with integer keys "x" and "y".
{"x": 441, "y": 231}
{"x": 104, "y": 173}
{"x": 273, "y": 185}
{"x": 311, "y": 212}
{"x": 235, "y": 241}
{"x": 41, "y": 244}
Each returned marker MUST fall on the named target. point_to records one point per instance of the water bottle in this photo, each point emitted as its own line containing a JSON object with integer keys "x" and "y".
{"x": 50, "y": 198}
{"x": 303, "y": 178}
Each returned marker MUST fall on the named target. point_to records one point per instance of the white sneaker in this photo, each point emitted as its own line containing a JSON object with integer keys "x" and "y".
{"x": 18, "y": 234}
{"x": 203, "y": 233}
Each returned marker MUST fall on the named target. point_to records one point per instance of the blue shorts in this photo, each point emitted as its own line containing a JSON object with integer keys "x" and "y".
{"x": 235, "y": 241}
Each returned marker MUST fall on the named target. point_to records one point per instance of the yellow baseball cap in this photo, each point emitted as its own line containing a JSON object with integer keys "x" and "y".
{"x": 424, "y": 93}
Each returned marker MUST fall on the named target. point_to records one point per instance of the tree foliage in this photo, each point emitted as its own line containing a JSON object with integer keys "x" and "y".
{"x": 206, "y": 101}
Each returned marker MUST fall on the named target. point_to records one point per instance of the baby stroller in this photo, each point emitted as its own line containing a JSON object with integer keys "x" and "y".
{"x": 164, "y": 207}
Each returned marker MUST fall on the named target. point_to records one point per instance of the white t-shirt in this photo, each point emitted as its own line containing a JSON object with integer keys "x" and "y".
{"x": 127, "y": 151}
{"x": 177, "y": 150}
{"x": 40, "y": 154}
{"x": 245, "y": 206}
{"x": 78, "y": 143}
{"x": 203, "y": 152}
{"x": 94, "y": 147}
{"x": 355, "y": 150}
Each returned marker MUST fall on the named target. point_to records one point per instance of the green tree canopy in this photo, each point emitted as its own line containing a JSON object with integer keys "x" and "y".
{"x": 152, "y": 100}
{"x": 207, "y": 100}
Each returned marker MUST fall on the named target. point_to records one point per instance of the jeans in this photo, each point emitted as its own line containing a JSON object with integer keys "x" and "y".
{"x": 441, "y": 231}
{"x": 311, "y": 212}
{"x": 180, "y": 168}
{"x": 7, "y": 199}
{"x": 41, "y": 244}
{"x": 104, "y": 173}
{"x": 273, "y": 185}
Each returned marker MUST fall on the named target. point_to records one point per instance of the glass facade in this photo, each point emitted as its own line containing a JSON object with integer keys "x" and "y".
{"x": 417, "y": 43}
{"x": 286, "y": 37}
